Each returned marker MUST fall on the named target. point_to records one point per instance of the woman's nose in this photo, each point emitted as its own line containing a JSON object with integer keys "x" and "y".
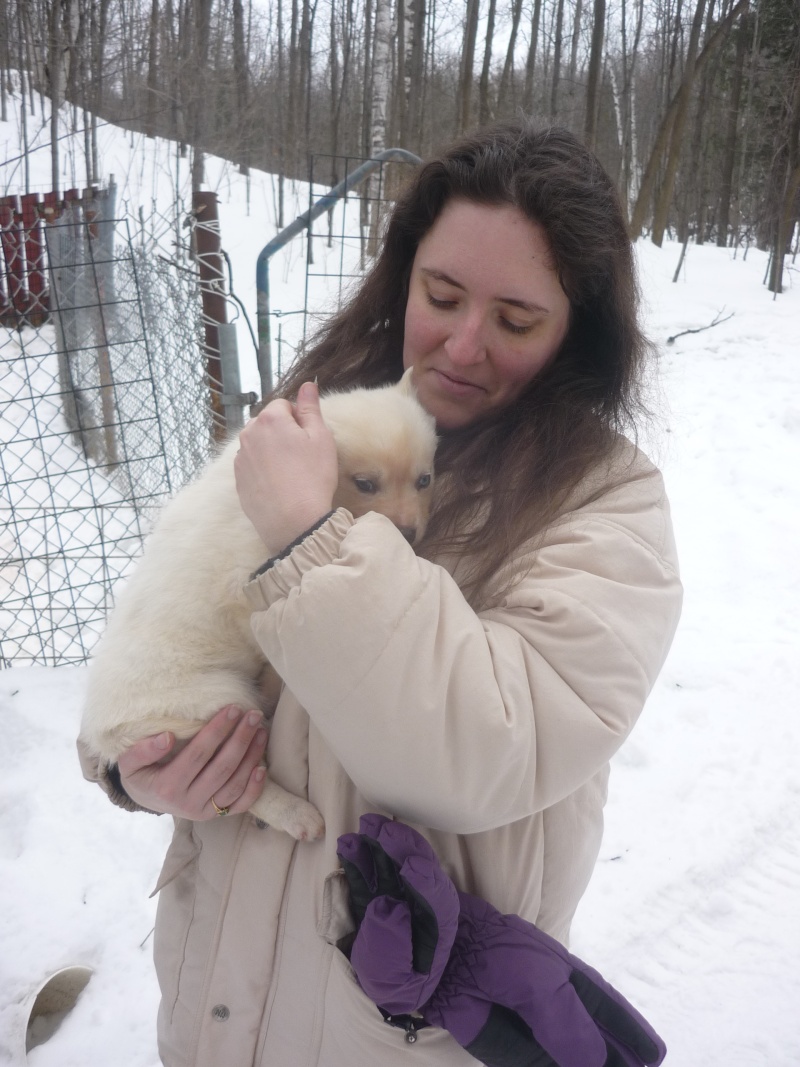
{"x": 466, "y": 344}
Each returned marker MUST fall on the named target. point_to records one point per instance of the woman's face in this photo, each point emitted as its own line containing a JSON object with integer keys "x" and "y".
{"x": 485, "y": 312}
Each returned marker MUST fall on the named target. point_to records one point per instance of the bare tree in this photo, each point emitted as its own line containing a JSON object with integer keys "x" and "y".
{"x": 241, "y": 76}
{"x": 595, "y": 69}
{"x": 530, "y": 65}
{"x": 467, "y": 63}
{"x": 664, "y": 197}
{"x": 732, "y": 105}
{"x": 484, "y": 103}
{"x": 153, "y": 70}
{"x": 664, "y": 133}
{"x": 557, "y": 43}
{"x": 504, "y": 90}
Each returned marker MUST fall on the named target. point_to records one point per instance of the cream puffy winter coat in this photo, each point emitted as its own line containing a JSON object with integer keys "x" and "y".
{"x": 490, "y": 732}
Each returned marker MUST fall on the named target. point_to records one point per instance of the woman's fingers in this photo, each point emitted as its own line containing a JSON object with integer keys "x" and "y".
{"x": 145, "y": 753}
{"x": 286, "y": 469}
{"x": 228, "y": 776}
{"x": 193, "y": 759}
{"x": 253, "y": 788}
{"x": 220, "y": 761}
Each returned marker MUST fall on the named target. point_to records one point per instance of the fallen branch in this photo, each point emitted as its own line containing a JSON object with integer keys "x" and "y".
{"x": 700, "y": 329}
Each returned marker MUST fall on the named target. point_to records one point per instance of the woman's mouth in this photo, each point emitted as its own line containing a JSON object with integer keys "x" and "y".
{"x": 455, "y": 386}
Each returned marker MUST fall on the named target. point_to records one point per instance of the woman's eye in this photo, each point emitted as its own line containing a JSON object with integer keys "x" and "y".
{"x": 365, "y": 485}
{"x": 514, "y": 327}
{"x": 437, "y": 302}
{"x": 423, "y": 481}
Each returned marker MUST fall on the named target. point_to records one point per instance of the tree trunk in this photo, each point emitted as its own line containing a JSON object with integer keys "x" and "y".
{"x": 381, "y": 68}
{"x": 530, "y": 65}
{"x": 240, "y": 63}
{"x": 55, "y": 49}
{"x": 731, "y": 135}
{"x": 416, "y": 74}
{"x": 576, "y": 32}
{"x": 503, "y": 91}
{"x": 593, "y": 77}
{"x": 152, "y": 71}
{"x": 664, "y": 198}
{"x": 293, "y": 107}
{"x": 484, "y": 105}
{"x": 405, "y": 18}
{"x": 202, "y": 34}
{"x": 631, "y": 146}
{"x": 281, "y": 124}
{"x": 366, "y": 99}
{"x": 557, "y": 58}
{"x": 788, "y": 207}
{"x": 305, "y": 44}
{"x": 464, "y": 118}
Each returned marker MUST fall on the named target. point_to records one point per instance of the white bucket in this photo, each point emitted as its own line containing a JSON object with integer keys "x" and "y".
{"x": 45, "y": 1007}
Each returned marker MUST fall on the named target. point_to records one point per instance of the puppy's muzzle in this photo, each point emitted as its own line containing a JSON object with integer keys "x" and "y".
{"x": 409, "y": 532}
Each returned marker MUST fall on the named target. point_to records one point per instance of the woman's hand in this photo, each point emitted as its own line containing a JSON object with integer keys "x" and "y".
{"x": 286, "y": 468}
{"x": 221, "y": 761}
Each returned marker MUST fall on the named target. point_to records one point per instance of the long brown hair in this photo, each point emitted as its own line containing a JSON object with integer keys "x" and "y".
{"x": 505, "y": 479}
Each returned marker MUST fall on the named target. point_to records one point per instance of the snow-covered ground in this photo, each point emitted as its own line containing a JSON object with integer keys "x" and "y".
{"x": 694, "y": 909}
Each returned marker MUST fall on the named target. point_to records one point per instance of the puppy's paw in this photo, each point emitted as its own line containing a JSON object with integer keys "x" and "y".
{"x": 289, "y": 813}
{"x": 304, "y": 823}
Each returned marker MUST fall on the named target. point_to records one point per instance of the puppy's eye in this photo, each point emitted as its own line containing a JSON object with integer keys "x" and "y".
{"x": 423, "y": 481}
{"x": 365, "y": 485}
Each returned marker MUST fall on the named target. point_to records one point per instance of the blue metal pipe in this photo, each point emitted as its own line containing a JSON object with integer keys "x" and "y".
{"x": 301, "y": 223}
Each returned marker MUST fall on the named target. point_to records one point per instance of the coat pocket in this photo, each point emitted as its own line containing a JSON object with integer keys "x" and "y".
{"x": 335, "y": 924}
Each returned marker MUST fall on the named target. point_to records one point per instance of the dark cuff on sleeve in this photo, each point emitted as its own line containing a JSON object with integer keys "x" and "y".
{"x": 297, "y": 541}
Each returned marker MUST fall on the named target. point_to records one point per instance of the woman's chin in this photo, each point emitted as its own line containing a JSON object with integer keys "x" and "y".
{"x": 451, "y": 412}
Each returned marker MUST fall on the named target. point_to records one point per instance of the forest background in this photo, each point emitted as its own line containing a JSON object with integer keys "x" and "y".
{"x": 692, "y": 105}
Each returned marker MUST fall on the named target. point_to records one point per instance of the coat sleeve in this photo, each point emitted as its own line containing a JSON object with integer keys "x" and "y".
{"x": 461, "y": 720}
{"x": 107, "y": 777}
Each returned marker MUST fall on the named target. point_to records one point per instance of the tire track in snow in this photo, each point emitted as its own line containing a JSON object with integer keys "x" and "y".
{"x": 715, "y": 964}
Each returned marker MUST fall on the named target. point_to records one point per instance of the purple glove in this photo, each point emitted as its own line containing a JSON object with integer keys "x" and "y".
{"x": 509, "y": 994}
{"x": 406, "y": 910}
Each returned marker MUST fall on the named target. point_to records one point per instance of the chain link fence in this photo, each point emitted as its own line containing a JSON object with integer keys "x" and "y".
{"x": 118, "y": 375}
{"x": 104, "y": 412}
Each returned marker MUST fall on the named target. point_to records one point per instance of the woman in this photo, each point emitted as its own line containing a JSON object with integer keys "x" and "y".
{"x": 476, "y": 689}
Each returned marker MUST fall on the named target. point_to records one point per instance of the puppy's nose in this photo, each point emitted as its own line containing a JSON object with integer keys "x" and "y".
{"x": 409, "y": 532}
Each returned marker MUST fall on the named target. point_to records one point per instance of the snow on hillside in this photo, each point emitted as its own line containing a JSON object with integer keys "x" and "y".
{"x": 693, "y": 909}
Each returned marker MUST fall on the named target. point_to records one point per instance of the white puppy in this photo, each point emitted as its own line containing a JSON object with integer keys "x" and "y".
{"x": 178, "y": 646}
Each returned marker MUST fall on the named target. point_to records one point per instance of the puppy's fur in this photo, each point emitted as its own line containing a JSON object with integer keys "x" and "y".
{"x": 178, "y": 645}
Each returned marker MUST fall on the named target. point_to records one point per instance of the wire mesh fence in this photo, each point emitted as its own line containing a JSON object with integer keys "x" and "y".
{"x": 113, "y": 387}
{"x": 103, "y": 403}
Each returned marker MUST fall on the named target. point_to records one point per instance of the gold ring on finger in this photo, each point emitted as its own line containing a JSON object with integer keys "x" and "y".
{"x": 217, "y": 809}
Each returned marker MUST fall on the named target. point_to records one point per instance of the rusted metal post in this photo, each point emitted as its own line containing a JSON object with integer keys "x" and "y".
{"x": 222, "y": 357}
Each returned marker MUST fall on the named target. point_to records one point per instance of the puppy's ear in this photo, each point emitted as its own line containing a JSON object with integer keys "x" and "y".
{"x": 405, "y": 385}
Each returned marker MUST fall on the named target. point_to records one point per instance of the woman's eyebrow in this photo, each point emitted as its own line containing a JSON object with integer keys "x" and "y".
{"x": 523, "y": 305}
